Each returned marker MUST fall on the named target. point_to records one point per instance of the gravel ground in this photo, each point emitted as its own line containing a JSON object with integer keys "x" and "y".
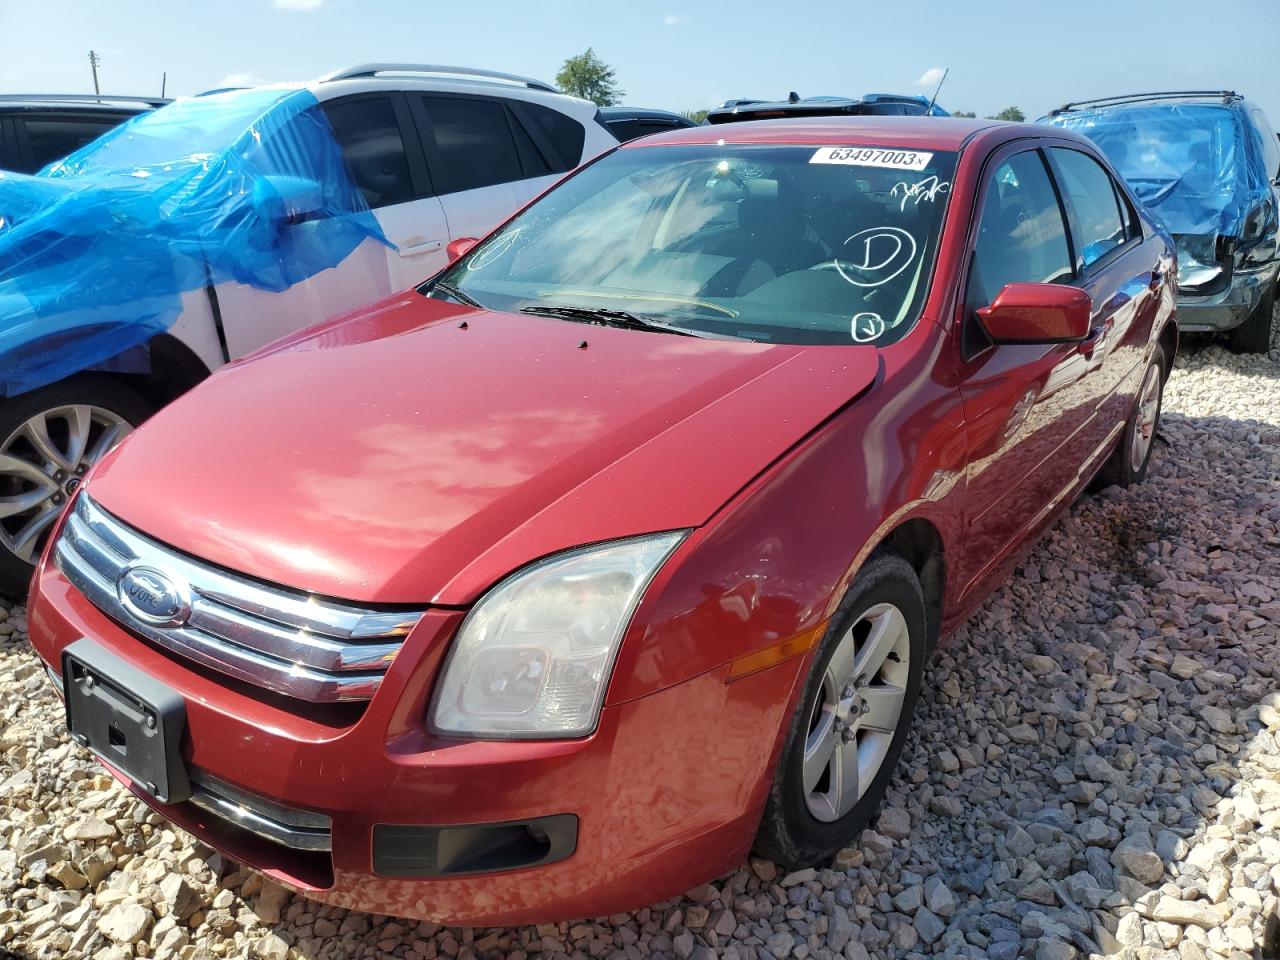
{"x": 1095, "y": 769}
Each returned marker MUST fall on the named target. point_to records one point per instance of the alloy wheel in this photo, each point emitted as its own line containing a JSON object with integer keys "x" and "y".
{"x": 856, "y": 713}
{"x": 1148, "y": 412}
{"x": 42, "y": 463}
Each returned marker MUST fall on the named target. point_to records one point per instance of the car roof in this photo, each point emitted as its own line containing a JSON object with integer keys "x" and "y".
{"x": 937, "y": 133}
{"x": 1168, "y": 97}
{"x": 79, "y": 102}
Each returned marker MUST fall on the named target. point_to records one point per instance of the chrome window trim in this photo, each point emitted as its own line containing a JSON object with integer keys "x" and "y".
{"x": 286, "y": 641}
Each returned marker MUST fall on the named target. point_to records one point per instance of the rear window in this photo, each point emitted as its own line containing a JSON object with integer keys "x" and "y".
{"x": 476, "y": 143}
{"x": 558, "y": 135}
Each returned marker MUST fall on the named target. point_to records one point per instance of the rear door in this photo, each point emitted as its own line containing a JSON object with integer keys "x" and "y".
{"x": 489, "y": 156}
{"x": 385, "y": 161}
{"x": 1121, "y": 274}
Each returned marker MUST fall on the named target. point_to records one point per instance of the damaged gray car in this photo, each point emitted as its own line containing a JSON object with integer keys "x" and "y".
{"x": 1207, "y": 164}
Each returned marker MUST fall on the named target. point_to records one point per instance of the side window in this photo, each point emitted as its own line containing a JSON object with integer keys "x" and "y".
{"x": 559, "y": 137}
{"x": 1270, "y": 146}
{"x": 53, "y": 139}
{"x": 477, "y": 147}
{"x": 1021, "y": 238}
{"x": 368, "y": 134}
{"x": 1092, "y": 208}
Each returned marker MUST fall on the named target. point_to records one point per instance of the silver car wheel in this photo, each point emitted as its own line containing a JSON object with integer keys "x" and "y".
{"x": 856, "y": 714}
{"x": 42, "y": 463}
{"x": 1147, "y": 415}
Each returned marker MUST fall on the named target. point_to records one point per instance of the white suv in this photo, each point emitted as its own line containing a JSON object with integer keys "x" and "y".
{"x": 439, "y": 153}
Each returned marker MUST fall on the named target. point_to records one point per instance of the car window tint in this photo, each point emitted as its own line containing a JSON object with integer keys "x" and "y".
{"x": 477, "y": 148}
{"x": 564, "y": 135}
{"x": 534, "y": 161}
{"x": 1089, "y": 194}
{"x": 53, "y": 139}
{"x": 1270, "y": 146}
{"x": 369, "y": 136}
{"x": 1021, "y": 238}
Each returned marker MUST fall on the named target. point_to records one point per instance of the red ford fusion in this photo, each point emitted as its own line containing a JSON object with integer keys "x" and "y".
{"x": 615, "y": 551}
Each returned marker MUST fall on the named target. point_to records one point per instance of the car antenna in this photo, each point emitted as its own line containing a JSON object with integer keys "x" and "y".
{"x": 929, "y": 112}
{"x": 793, "y": 97}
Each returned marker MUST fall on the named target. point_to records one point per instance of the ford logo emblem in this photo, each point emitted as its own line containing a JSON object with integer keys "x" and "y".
{"x": 153, "y": 597}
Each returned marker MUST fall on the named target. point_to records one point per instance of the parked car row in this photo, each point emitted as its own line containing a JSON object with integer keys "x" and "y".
{"x": 616, "y": 548}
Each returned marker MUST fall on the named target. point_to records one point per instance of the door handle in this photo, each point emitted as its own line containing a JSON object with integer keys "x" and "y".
{"x": 1097, "y": 338}
{"x": 419, "y": 247}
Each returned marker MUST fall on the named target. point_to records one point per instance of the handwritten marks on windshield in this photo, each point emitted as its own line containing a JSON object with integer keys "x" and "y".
{"x": 866, "y": 327}
{"x": 926, "y": 189}
{"x": 877, "y": 255}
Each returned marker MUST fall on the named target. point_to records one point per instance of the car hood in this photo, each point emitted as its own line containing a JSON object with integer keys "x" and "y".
{"x": 419, "y": 451}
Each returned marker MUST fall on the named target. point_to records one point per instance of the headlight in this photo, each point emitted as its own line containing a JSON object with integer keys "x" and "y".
{"x": 533, "y": 659}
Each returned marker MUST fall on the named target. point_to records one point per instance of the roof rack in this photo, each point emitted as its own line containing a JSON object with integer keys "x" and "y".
{"x": 373, "y": 69}
{"x": 1225, "y": 95}
{"x": 80, "y": 98}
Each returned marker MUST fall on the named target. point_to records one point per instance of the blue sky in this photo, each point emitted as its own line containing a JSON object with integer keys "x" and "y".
{"x": 678, "y": 54}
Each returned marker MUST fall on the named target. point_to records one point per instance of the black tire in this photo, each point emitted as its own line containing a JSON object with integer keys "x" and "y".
{"x": 1254, "y": 335}
{"x": 98, "y": 390}
{"x": 1120, "y": 470}
{"x": 789, "y": 833}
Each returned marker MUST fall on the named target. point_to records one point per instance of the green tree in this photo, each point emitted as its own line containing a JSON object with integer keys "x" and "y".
{"x": 1009, "y": 113}
{"x": 697, "y": 116}
{"x": 589, "y": 77}
{"x": 964, "y": 113}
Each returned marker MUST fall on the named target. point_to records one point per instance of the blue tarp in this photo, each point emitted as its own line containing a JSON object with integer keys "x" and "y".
{"x": 97, "y": 249}
{"x": 1197, "y": 166}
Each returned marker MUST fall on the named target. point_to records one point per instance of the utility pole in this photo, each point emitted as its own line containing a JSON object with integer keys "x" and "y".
{"x": 94, "y": 60}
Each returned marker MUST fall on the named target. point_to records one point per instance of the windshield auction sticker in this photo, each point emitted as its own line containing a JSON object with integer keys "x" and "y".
{"x": 872, "y": 157}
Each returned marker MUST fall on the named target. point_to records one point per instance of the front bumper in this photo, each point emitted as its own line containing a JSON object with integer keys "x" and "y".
{"x": 1226, "y": 310}
{"x": 667, "y": 792}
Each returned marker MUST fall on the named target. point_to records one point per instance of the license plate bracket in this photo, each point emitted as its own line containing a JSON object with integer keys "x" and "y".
{"x": 128, "y": 718}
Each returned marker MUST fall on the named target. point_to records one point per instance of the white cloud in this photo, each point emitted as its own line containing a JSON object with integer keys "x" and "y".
{"x": 242, "y": 79}
{"x": 931, "y": 77}
{"x": 297, "y": 4}
{"x": 674, "y": 19}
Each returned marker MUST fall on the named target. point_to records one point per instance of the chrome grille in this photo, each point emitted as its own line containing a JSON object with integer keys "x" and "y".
{"x": 283, "y": 640}
{"x": 289, "y": 826}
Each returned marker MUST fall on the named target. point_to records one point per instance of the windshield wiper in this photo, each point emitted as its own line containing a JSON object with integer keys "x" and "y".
{"x": 454, "y": 293}
{"x": 608, "y": 318}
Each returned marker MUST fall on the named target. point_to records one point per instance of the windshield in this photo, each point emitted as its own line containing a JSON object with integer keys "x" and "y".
{"x": 787, "y": 244}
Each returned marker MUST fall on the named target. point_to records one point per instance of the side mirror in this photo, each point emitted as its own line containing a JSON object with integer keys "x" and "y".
{"x": 460, "y": 246}
{"x": 289, "y": 199}
{"x": 1037, "y": 313}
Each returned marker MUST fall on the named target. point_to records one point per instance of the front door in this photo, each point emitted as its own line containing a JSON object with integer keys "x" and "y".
{"x": 1027, "y": 406}
{"x": 385, "y": 161}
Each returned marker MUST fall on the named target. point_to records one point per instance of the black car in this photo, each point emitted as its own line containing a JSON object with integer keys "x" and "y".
{"x": 630, "y": 123}
{"x": 38, "y": 128}
{"x": 872, "y": 104}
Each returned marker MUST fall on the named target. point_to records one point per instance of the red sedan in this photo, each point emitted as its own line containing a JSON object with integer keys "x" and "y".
{"x": 617, "y": 550}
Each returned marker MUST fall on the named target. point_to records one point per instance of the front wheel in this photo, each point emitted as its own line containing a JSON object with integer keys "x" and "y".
{"x": 49, "y": 438}
{"x": 1254, "y": 335}
{"x": 854, "y": 715}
